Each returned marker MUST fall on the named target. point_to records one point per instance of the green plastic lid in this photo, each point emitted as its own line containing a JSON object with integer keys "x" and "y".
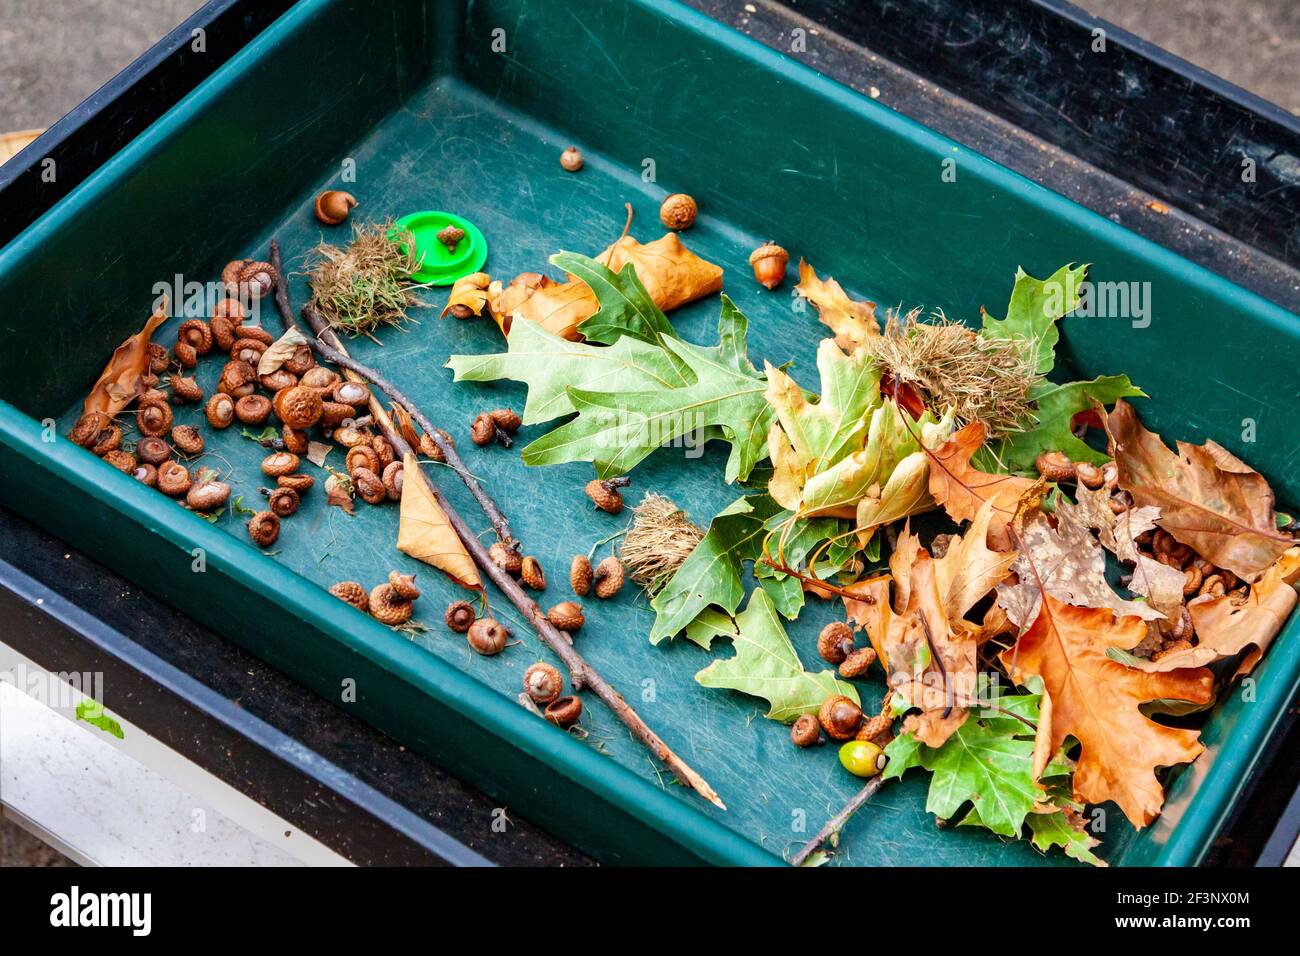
{"x": 439, "y": 266}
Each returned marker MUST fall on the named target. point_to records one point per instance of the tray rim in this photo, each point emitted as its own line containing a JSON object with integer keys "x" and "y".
{"x": 686, "y": 824}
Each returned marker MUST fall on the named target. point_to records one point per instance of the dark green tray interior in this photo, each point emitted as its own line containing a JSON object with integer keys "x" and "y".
{"x": 434, "y": 118}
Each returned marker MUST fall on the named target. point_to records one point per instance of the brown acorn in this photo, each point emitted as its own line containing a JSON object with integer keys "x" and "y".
{"x": 184, "y": 391}
{"x": 856, "y": 664}
{"x": 110, "y": 439}
{"x": 835, "y": 642}
{"x": 187, "y": 439}
{"x": 388, "y": 607}
{"x": 768, "y": 262}
{"x": 320, "y": 377}
{"x": 186, "y": 357}
{"x": 678, "y": 212}
{"x": 298, "y": 407}
{"x": 571, "y": 159}
{"x": 404, "y": 585}
{"x": 158, "y": 360}
{"x": 248, "y": 350}
{"x": 451, "y": 236}
{"x": 392, "y": 479}
{"x": 122, "y": 461}
{"x": 335, "y": 413}
{"x": 361, "y": 456}
{"x": 253, "y": 409}
{"x": 197, "y": 334}
{"x": 173, "y": 479}
{"x": 605, "y": 494}
{"x": 566, "y": 616}
{"x": 355, "y": 394}
{"x": 805, "y": 732}
{"x": 208, "y": 496}
{"x": 264, "y": 528}
{"x": 153, "y": 418}
{"x": 543, "y": 683}
{"x": 298, "y": 482}
{"x": 88, "y": 428}
{"x": 580, "y": 575}
{"x": 146, "y": 474}
{"x": 531, "y": 573}
{"x": 609, "y": 577}
{"x": 487, "y": 637}
{"x": 506, "y": 419}
{"x": 352, "y": 593}
{"x": 505, "y": 557}
{"x": 460, "y": 615}
{"x": 295, "y": 440}
{"x": 220, "y": 411}
{"x": 280, "y": 463}
{"x": 237, "y": 379}
{"x": 283, "y": 501}
{"x": 564, "y": 712}
{"x": 839, "y": 717}
{"x": 369, "y": 486}
{"x": 333, "y": 205}
{"x": 255, "y": 280}
{"x": 152, "y": 451}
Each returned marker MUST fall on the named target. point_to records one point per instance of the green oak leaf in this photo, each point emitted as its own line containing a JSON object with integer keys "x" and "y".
{"x": 1057, "y": 404}
{"x": 803, "y": 537}
{"x": 617, "y": 430}
{"x": 1055, "y": 829}
{"x": 626, "y": 309}
{"x": 767, "y": 666}
{"x": 709, "y": 624}
{"x": 1035, "y": 307}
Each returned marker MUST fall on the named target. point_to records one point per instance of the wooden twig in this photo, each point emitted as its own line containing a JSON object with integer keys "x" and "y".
{"x": 581, "y": 674}
{"x": 836, "y": 823}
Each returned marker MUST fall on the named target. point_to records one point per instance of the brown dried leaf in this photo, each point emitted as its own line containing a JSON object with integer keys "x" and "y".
{"x": 963, "y": 489}
{"x": 338, "y": 493}
{"x": 1096, "y": 700}
{"x": 1208, "y": 498}
{"x": 469, "y": 291}
{"x": 280, "y": 351}
{"x": 852, "y": 322}
{"x": 425, "y": 533}
{"x": 119, "y": 384}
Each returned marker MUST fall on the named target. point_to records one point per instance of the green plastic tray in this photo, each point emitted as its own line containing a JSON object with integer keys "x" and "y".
{"x": 431, "y": 112}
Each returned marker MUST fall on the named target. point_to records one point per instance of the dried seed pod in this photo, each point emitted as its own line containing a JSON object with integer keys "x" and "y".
{"x": 361, "y": 456}
{"x": 254, "y": 332}
{"x": 185, "y": 391}
{"x": 153, "y": 418}
{"x": 146, "y": 474}
{"x": 278, "y": 380}
{"x": 392, "y": 479}
{"x": 605, "y": 494}
{"x": 487, "y": 637}
{"x": 506, "y": 557}
{"x": 460, "y": 615}
{"x": 88, "y": 428}
{"x": 506, "y": 419}
{"x": 678, "y": 212}
{"x": 122, "y": 461}
{"x": 298, "y": 407}
{"x": 356, "y": 394}
{"x": 1055, "y": 466}
{"x": 404, "y": 585}
{"x": 186, "y": 357}
{"x": 335, "y": 413}
{"x": 301, "y": 361}
{"x": 237, "y": 379}
{"x": 350, "y": 592}
{"x": 299, "y": 482}
{"x": 158, "y": 360}
{"x": 387, "y": 607}
{"x": 769, "y": 262}
{"x": 208, "y": 496}
{"x": 874, "y": 728}
{"x": 264, "y": 528}
{"x": 282, "y": 501}
{"x": 1088, "y": 475}
{"x": 187, "y": 439}
{"x": 835, "y": 642}
{"x": 253, "y": 409}
{"x": 110, "y": 439}
{"x": 173, "y": 479}
{"x": 543, "y": 683}
{"x": 571, "y": 159}
{"x": 369, "y": 486}
{"x": 483, "y": 431}
{"x": 564, "y": 712}
{"x": 255, "y": 280}
{"x": 248, "y": 350}
{"x": 320, "y": 377}
{"x": 295, "y": 440}
{"x": 197, "y": 333}
{"x": 580, "y": 575}
{"x": 856, "y": 664}
{"x": 609, "y": 577}
{"x": 280, "y": 463}
{"x": 333, "y": 206}
{"x": 805, "y": 731}
{"x": 152, "y": 450}
{"x": 567, "y": 616}
{"x": 531, "y": 573}
{"x": 839, "y": 717}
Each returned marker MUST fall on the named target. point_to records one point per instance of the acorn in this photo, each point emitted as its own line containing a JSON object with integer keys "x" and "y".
{"x": 404, "y": 585}
{"x": 609, "y": 577}
{"x": 122, "y": 461}
{"x": 264, "y": 528}
{"x": 856, "y": 664}
{"x": 564, "y": 712}
{"x": 298, "y": 407}
{"x": 566, "y": 616}
{"x": 361, "y": 456}
{"x": 253, "y": 409}
{"x": 505, "y": 557}
{"x": 158, "y": 360}
{"x": 333, "y": 205}
{"x": 184, "y": 391}
{"x": 384, "y": 449}
{"x": 110, "y": 439}
{"x": 388, "y": 607}
{"x": 220, "y": 411}
{"x": 835, "y": 642}
{"x": 451, "y": 236}
{"x": 506, "y": 419}
{"x": 88, "y": 428}
{"x": 187, "y": 439}
{"x": 146, "y": 474}
{"x": 335, "y": 413}
{"x": 248, "y": 350}
{"x": 1055, "y": 466}
{"x": 223, "y": 323}
{"x": 208, "y": 496}
{"x": 197, "y": 334}
{"x": 280, "y": 379}
{"x": 605, "y": 494}
{"x": 237, "y": 379}
{"x": 483, "y": 430}
{"x": 460, "y": 615}
{"x": 543, "y": 683}
{"x": 320, "y": 377}
{"x": 874, "y": 728}
{"x": 392, "y": 479}
{"x": 571, "y": 159}
{"x": 580, "y": 575}
{"x": 282, "y": 501}
{"x": 1088, "y": 475}
{"x": 186, "y": 357}
{"x": 369, "y": 486}
{"x": 768, "y": 262}
{"x": 487, "y": 637}
{"x": 531, "y": 573}
{"x": 678, "y": 212}
{"x": 352, "y": 593}
{"x": 805, "y": 732}
{"x": 294, "y": 440}
{"x": 152, "y": 451}
{"x": 153, "y": 418}
{"x": 280, "y": 463}
{"x": 173, "y": 479}
{"x": 302, "y": 361}
{"x": 298, "y": 482}
{"x": 839, "y": 717}
{"x": 255, "y": 280}
{"x": 355, "y": 394}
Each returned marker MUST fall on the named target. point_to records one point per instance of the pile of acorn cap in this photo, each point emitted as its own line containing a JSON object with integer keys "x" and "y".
{"x": 391, "y": 603}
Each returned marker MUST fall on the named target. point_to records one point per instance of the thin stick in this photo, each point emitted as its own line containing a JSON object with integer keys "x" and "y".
{"x": 836, "y": 823}
{"x": 581, "y": 674}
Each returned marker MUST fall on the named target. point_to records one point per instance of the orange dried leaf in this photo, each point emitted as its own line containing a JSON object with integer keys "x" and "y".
{"x": 469, "y": 291}
{"x": 963, "y": 489}
{"x": 1096, "y": 700}
{"x": 119, "y": 383}
{"x": 1208, "y": 498}
{"x": 853, "y": 322}
{"x": 424, "y": 532}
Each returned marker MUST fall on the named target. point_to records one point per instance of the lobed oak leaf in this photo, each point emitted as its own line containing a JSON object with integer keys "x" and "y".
{"x": 853, "y": 322}
{"x": 962, "y": 489}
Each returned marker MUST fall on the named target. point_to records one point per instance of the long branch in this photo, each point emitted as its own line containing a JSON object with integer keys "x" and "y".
{"x": 581, "y": 674}
{"x": 836, "y": 823}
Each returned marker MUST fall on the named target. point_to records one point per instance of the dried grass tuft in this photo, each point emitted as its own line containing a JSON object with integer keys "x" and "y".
{"x": 981, "y": 379}
{"x": 367, "y": 284}
{"x": 661, "y": 538}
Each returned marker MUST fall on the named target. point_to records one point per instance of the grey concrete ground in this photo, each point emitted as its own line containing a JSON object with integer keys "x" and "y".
{"x": 55, "y": 53}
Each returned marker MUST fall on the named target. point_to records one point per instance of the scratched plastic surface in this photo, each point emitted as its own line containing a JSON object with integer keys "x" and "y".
{"x": 834, "y": 178}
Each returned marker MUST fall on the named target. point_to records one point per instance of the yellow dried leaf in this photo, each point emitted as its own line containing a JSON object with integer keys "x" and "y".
{"x": 469, "y": 291}
{"x": 853, "y": 322}
{"x": 424, "y": 532}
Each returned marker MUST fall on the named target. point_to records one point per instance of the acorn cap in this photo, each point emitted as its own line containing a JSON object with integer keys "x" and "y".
{"x": 580, "y": 575}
